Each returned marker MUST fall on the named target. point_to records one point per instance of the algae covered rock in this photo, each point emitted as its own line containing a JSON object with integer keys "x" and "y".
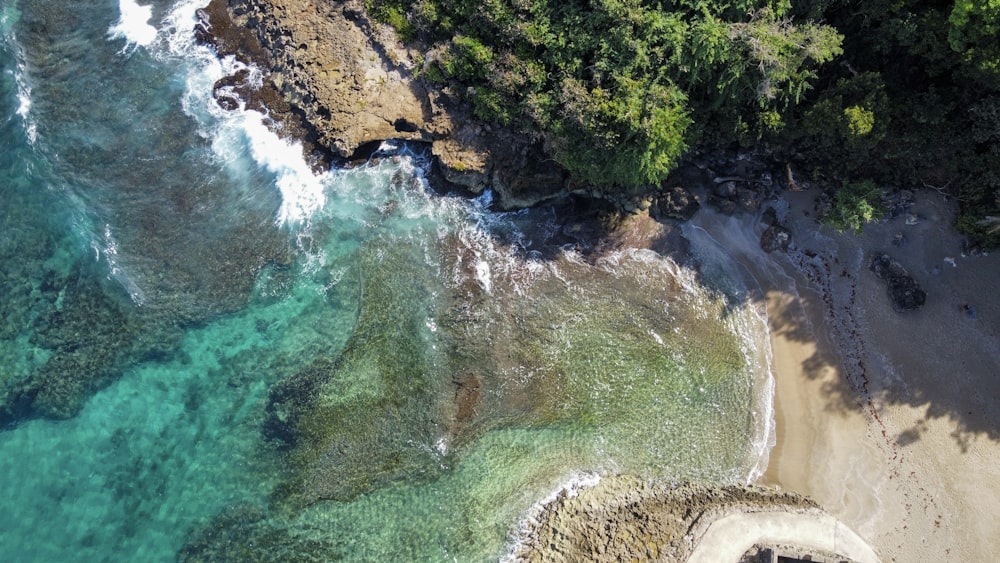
{"x": 625, "y": 518}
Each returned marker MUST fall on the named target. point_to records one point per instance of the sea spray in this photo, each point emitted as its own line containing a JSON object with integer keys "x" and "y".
{"x": 133, "y": 26}
{"x": 8, "y": 43}
{"x": 240, "y": 133}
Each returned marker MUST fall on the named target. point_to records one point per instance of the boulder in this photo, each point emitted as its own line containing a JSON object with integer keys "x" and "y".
{"x": 726, "y": 189}
{"x": 723, "y": 205}
{"x": 904, "y": 291}
{"x": 675, "y": 203}
{"x": 748, "y": 199}
{"x": 769, "y": 217}
{"x": 777, "y": 238}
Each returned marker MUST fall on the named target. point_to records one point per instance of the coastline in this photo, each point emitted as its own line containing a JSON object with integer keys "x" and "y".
{"x": 874, "y": 419}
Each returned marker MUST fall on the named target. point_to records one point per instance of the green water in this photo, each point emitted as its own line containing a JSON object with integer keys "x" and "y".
{"x": 209, "y": 352}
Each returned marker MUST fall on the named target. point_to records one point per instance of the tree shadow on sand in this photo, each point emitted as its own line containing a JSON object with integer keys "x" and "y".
{"x": 858, "y": 375}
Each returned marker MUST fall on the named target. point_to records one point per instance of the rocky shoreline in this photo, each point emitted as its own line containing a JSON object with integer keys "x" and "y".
{"x": 343, "y": 83}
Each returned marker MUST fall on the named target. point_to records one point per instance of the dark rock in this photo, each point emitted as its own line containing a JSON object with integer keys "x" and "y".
{"x": 897, "y": 203}
{"x": 769, "y": 217}
{"x": 904, "y": 291}
{"x": 723, "y": 205}
{"x": 228, "y": 91}
{"x": 776, "y": 237}
{"x": 726, "y": 189}
{"x": 748, "y": 200}
{"x": 526, "y": 180}
{"x": 969, "y": 311}
{"x": 766, "y": 180}
{"x": 290, "y": 399}
{"x": 675, "y": 203}
{"x": 823, "y": 205}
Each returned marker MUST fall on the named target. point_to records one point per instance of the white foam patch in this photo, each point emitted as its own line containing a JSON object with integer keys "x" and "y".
{"x": 133, "y": 25}
{"x": 24, "y": 105}
{"x": 110, "y": 252}
{"x": 23, "y": 94}
{"x": 302, "y": 191}
{"x": 240, "y": 133}
{"x": 483, "y": 275}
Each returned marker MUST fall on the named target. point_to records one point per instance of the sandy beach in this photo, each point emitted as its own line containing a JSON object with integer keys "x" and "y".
{"x": 886, "y": 419}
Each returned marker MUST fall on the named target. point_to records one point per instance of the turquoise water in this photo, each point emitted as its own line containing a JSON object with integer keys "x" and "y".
{"x": 211, "y": 352}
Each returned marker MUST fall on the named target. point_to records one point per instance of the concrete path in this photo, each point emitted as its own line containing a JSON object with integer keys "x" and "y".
{"x": 729, "y": 537}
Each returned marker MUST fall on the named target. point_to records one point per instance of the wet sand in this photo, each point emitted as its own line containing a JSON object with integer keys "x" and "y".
{"x": 888, "y": 420}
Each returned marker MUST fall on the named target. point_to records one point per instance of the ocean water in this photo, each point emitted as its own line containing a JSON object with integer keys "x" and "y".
{"x": 209, "y": 351}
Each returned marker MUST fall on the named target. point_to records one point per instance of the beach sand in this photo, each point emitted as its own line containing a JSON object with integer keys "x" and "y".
{"x": 888, "y": 420}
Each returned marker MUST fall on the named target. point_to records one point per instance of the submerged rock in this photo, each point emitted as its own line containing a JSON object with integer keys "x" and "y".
{"x": 370, "y": 416}
{"x": 243, "y": 533}
{"x": 904, "y": 291}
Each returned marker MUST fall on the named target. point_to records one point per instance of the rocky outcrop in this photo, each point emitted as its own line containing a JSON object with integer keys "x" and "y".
{"x": 904, "y": 291}
{"x": 343, "y": 82}
{"x": 324, "y": 60}
{"x": 624, "y": 518}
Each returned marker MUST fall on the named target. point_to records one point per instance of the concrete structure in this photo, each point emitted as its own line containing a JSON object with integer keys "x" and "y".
{"x": 730, "y": 537}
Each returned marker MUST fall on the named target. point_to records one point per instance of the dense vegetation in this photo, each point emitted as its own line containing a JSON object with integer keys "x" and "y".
{"x": 879, "y": 95}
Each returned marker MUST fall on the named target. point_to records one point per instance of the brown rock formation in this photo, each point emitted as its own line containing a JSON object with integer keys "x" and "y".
{"x": 344, "y": 82}
{"x": 624, "y": 518}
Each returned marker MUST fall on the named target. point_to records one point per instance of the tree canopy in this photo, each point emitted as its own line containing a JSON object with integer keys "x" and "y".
{"x": 898, "y": 93}
{"x": 619, "y": 89}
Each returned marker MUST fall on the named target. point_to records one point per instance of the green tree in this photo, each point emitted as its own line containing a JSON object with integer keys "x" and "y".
{"x": 854, "y": 205}
{"x": 975, "y": 35}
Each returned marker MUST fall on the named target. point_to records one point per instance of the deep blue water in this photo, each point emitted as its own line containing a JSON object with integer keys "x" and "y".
{"x": 164, "y": 265}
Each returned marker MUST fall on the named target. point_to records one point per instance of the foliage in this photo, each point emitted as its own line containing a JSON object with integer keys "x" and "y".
{"x": 973, "y": 34}
{"x": 854, "y": 205}
{"x": 616, "y": 87}
{"x": 933, "y": 73}
{"x": 394, "y": 14}
{"x": 839, "y": 132}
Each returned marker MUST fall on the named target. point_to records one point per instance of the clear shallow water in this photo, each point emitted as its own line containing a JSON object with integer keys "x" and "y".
{"x": 167, "y": 266}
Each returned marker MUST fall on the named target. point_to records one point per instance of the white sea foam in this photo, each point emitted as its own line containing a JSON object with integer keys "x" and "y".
{"x": 110, "y": 253}
{"x": 302, "y": 191}
{"x": 133, "y": 25}
{"x": 24, "y": 105}
{"x": 239, "y": 133}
